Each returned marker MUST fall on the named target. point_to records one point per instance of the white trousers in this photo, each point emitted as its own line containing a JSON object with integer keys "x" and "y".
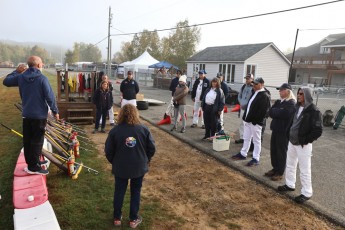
{"x": 132, "y": 102}
{"x": 197, "y": 108}
{"x": 111, "y": 116}
{"x": 296, "y": 154}
{"x": 251, "y": 131}
{"x": 241, "y": 128}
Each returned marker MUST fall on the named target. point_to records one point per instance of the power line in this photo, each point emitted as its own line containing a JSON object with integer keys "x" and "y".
{"x": 323, "y": 29}
{"x": 232, "y": 19}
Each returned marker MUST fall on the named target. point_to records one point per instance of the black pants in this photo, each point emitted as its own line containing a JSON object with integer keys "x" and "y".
{"x": 33, "y": 137}
{"x": 101, "y": 113}
{"x": 279, "y": 145}
{"x": 210, "y": 120}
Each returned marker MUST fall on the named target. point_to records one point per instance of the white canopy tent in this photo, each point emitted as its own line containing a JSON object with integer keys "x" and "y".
{"x": 141, "y": 62}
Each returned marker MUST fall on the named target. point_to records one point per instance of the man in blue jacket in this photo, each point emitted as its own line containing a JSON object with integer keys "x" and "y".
{"x": 36, "y": 94}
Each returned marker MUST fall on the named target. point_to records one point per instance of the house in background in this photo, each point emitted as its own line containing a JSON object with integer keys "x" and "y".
{"x": 262, "y": 60}
{"x": 322, "y": 63}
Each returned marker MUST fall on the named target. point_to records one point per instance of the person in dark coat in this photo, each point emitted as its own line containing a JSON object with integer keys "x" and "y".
{"x": 281, "y": 113}
{"x": 103, "y": 99}
{"x": 129, "y": 148}
{"x": 212, "y": 106}
{"x": 129, "y": 89}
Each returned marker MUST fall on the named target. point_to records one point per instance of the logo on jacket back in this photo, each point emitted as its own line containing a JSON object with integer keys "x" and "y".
{"x": 131, "y": 142}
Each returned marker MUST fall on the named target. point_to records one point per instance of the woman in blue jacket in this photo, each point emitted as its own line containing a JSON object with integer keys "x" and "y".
{"x": 129, "y": 148}
{"x": 103, "y": 99}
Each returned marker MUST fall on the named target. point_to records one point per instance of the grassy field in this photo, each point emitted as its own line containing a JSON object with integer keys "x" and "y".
{"x": 85, "y": 203}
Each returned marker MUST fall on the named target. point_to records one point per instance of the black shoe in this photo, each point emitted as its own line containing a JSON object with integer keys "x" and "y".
{"x": 193, "y": 125}
{"x": 102, "y": 131}
{"x": 285, "y": 188}
{"x": 270, "y": 173}
{"x": 301, "y": 199}
{"x": 238, "y": 156}
{"x": 39, "y": 172}
{"x": 183, "y": 130}
{"x": 239, "y": 141}
{"x": 173, "y": 129}
{"x": 203, "y": 126}
{"x": 112, "y": 124}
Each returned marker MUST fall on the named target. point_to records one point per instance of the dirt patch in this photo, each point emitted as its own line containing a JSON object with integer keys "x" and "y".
{"x": 201, "y": 193}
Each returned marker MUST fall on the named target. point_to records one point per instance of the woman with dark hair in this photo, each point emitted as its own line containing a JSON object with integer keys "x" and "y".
{"x": 129, "y": 148}
{"x": 212, "y": 106}
{"x": 103, "y": 99}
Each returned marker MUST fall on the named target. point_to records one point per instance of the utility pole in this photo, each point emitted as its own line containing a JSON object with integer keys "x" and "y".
{"x": 109, "y": 46}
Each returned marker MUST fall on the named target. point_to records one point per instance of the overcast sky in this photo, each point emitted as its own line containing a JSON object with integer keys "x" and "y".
{"x": 64, "y": 22}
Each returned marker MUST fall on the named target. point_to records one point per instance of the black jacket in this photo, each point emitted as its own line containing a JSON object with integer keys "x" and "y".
{"x": 129, "y": 89}
{"x": 173, "y": 85}
{"x": 103, "y": 98}
{"x": 258, "y": 109}
{"x": 310, "y": 128}
{"x": 282, "y": 115}
{"x": 225, "y": 88}
{"x": 205, "y": 85}
{"x": 219, "y": 103}
{"x": 129, "y": 148}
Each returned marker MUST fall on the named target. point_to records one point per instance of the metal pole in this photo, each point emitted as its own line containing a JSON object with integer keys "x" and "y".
{"x": 293, "y": 55}
{"x": 108, "y": 57}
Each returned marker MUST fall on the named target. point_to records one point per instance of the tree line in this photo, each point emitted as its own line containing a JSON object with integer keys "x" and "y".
{"x": 176, "y": 48}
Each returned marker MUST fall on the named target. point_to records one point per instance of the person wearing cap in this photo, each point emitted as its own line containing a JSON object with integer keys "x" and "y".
{"x": 305, "y": 129}
{"x": 281, "y": 113}
{"x": 225, "y": 89}
{"x": 129, "y": 89}
{"x": 243, "y": 97}
{"x": 253, "y": 117}
{"x": 212, "y": 105}
{"x": 199, "y": 87}
{"x": 179, "y": 101}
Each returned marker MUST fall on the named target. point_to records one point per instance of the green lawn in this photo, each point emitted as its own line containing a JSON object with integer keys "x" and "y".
{"x": 85, "y": 203}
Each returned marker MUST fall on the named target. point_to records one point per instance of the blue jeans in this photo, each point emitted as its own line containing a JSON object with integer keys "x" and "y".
{"x": 119, "y": 195}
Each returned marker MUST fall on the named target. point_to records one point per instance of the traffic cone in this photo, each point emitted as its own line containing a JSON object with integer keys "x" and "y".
{"x": 225, "y": 109}
{"x": 236, "y": 108}
{"x": 167, "y": 121}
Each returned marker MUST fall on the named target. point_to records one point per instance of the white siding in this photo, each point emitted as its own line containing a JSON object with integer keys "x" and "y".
{"x": 271, "y": 67}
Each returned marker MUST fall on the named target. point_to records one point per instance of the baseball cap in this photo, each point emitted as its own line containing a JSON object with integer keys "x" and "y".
{"x": 202, "y": 72}
{"x": 220, "y": 75}
{"x": 249, "y": 75}
{"x": 285, "y": 86}
{"x": 259, "y": 80}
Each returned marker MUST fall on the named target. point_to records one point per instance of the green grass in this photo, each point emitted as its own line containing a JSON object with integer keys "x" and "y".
{"x": 85, "y": 203}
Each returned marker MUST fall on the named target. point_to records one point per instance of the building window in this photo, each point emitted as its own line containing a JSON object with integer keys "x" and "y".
{"x": 228, "y": 70}
{"x": 197, "y": 67}
{"x": 251, "y": 69}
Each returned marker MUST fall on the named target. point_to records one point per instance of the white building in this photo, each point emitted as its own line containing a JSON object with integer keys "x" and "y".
{"x": 262, "y": 60}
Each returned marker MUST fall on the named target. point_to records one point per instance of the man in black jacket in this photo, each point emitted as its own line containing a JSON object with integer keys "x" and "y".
{"x": 199, "y": 87}
{"x": 253, "y": 117}
{"x": 305, "y": 129}
{"x": 129, "y": 89}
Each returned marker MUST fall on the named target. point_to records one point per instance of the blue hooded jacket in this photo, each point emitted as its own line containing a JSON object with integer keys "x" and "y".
{"x": 35, "y": 92}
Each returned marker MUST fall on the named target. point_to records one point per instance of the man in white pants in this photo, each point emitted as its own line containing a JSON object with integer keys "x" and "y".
{"x": 306, "y": 128}
{"x": 253, "y": 118}
{"x": 199, "y": 87}
{"x": 129, "y": 89}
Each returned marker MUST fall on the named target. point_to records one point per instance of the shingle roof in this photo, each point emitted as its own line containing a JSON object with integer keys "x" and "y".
{"x": 339, "y": 42}
{"x": 235, "y": 53}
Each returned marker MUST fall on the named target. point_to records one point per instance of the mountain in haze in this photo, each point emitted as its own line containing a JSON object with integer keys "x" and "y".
{"x": 56, "y": 52}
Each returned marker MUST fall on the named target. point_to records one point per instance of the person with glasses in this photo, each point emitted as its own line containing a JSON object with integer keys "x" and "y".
{"x": 281, "y": 113}
{"x": 129, "y": 89}
{"x": 305, "y": 129}
{"x": 253, "y": 117}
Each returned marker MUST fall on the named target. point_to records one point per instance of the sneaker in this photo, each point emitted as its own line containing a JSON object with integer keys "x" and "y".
{"x": 193, "y": 125}
{"x": 285, "y": 188}
{"x": 94, "y": 131}
{"x": 239, "y": 141}
{"x": 270, "y": 173}
{"x": 276, "y": 177}
{"x": 173, "y": 128}
{"x": 117, "y": 222}
{"x": 183, "y": 130}
{"x": 252, "y": 162}
{"x": 203, "y": 126}
{"x": 39, "y": 172}
{"x": 135, "y": 223}
{"x": 238, "y": 156}
{"x": 301, "y": 199}
{"x": 102, "y": 131}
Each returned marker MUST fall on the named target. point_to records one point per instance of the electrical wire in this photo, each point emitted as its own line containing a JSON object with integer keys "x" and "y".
{"x": 232, "y": 19}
